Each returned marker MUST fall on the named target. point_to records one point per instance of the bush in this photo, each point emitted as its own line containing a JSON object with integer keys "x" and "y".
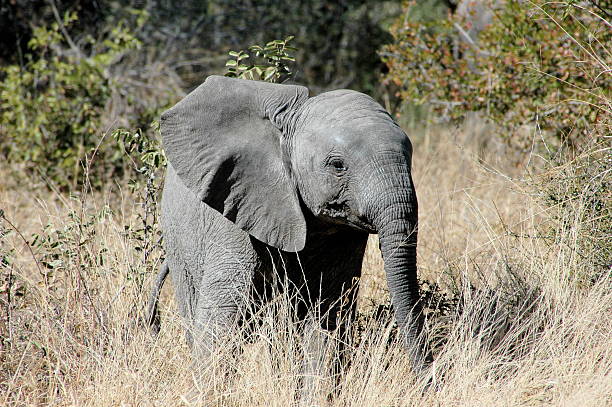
{"x": 143, "y": 150}
{"x": 536, "y": 69}
{"x": 535, "y": 64}
{"x": 338, "y": 40}
{"x": 52, "y": 108}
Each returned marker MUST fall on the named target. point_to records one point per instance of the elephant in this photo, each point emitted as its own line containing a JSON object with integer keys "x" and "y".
{"x": 263, "y": 179}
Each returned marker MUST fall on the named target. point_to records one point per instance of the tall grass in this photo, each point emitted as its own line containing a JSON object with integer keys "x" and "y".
{"x": 526, "y": 329}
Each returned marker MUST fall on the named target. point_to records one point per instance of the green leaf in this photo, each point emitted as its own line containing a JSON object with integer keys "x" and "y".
{"x": 55, "y": 264}
{"x": 231, "y": 62}
{"x": 270, "y": 72}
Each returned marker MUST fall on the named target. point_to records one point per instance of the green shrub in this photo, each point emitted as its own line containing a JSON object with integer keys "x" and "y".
{"x": 62, "y": 248}
{"x": 51, "y": 108}
{"x": 337, "y": 40}
{"x": 539, "y": 70}
{"x": 143, "y": 150}
{"x": 537, "y": 63}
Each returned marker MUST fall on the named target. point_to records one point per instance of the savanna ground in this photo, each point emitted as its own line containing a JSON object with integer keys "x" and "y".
{"x": 518, "y": 311}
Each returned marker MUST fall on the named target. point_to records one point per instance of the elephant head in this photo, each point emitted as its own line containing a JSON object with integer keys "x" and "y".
{"x": 268, "y": 158}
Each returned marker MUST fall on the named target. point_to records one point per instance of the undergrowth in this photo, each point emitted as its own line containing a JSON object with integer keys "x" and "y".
{"x": 515, "y": 321}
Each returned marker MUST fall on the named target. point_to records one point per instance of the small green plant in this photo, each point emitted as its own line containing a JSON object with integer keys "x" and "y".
{"x": 68, "y": 247}
{"x": 268, "y": 63}
{"x": 143, "y": 150}
{"x": 51, "y": 108}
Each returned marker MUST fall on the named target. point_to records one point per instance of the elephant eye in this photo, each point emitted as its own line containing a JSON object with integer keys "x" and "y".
{"x": 337, "y": 165}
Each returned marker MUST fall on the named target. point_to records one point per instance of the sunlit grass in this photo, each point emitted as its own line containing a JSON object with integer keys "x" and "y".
{"x": 527, "y": 330}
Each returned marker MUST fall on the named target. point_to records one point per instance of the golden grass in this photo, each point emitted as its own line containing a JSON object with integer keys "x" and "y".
{"x": 527, "y": 332}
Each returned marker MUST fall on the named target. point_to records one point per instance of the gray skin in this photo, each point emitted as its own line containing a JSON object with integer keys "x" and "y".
{"x": 264, "y": 180}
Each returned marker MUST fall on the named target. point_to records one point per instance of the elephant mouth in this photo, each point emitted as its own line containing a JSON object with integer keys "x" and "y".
{"x": 340, "y": 213}
{"x": 362, "y": 225}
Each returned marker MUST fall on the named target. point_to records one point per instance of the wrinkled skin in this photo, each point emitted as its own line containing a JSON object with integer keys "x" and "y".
{"x": 263, "y": 179}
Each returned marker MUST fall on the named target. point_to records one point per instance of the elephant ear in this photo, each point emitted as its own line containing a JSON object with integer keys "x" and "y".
{"x": 224, "y": 140}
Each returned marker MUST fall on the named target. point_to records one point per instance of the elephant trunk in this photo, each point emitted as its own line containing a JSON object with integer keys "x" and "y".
{"x": 397, "y": 226}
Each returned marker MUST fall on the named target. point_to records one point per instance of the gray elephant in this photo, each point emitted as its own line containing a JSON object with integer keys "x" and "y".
{"x": 263, "y": 179}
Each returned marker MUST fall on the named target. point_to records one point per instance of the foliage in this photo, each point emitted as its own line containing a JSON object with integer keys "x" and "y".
{"x": 337, "y": 40}
{"x": 52, "y": 107}
{"x": 275, "y": 55}
{"x": 19, "y": 18}
{"x": 536, "y": 64}
{"x": 144, "y": 151}
{"x": 62, "y": 248}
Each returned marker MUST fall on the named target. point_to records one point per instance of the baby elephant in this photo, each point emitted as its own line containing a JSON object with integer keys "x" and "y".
{"x": 263, "y": 179}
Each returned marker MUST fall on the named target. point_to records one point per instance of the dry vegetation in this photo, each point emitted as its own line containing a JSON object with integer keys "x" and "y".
{"x": 525, "y": 329}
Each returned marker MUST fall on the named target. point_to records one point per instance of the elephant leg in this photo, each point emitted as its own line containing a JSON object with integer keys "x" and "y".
{"x": 223, "y": 296}
{"x": 216, "y": 313}
{"x": 325, "y": 331}
{"x": 316, "y": 352}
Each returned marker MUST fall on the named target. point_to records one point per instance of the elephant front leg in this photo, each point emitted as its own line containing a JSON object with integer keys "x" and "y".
{"x": 222, "y": 300}
{"x": 316, "y": 381}
{"x": 326, "y": 331}
{"x": 216, "y": 316}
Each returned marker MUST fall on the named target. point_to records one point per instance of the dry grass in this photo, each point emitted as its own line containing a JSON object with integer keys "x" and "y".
{"x": 527, "y": 331}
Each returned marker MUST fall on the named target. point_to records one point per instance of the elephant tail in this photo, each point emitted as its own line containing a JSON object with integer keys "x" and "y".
{"x": 153, "y": 320}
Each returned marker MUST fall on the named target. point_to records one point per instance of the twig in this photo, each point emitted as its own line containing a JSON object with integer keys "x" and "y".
{"x": 596, "y": 4}
{"x": 9, "y": 334}
{"x": 60, "y": 23}
{"x": 470, "y": 41}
